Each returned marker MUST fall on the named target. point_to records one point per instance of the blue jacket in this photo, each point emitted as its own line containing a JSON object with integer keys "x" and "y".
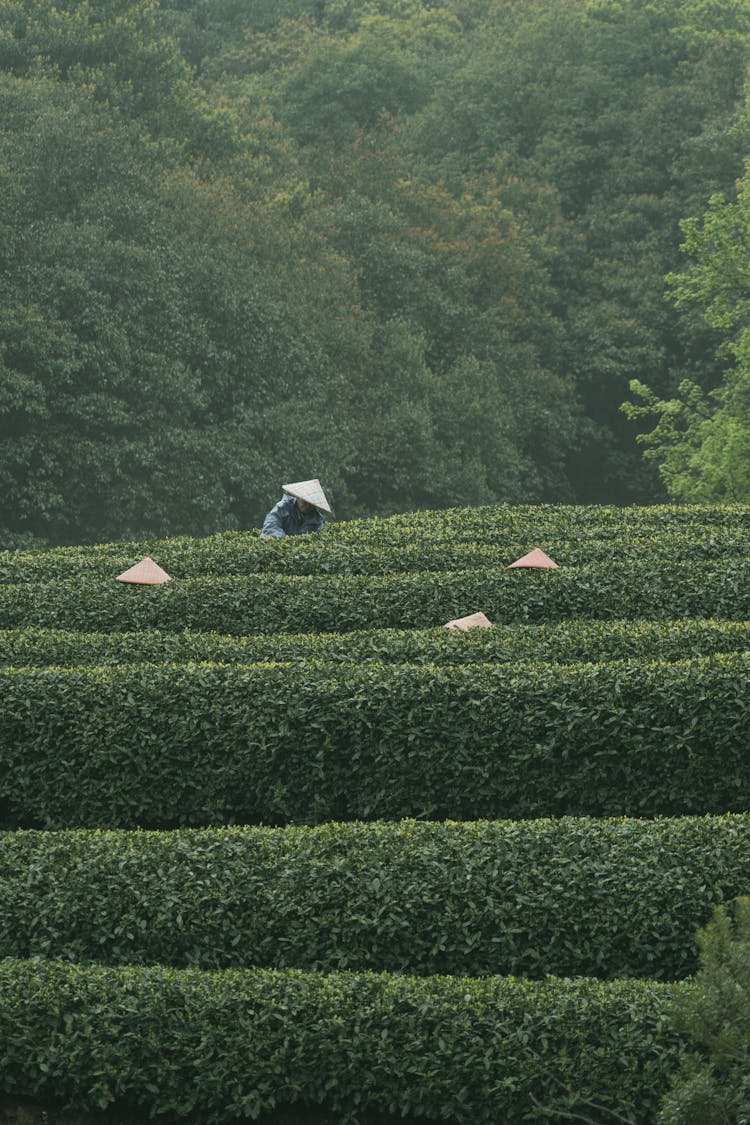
{"x": 285, "y": 518}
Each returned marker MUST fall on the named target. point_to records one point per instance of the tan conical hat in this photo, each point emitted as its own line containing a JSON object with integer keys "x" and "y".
{"x": 535, "y": 560}
{"x": 145, "y": 573}
{"x": 311, "y": 491}
{"x": 473, "y": 621}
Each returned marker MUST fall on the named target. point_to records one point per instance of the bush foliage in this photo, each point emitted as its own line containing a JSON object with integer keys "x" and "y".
{"x": 253, "y": 789}
{"x": 237, "y": 1043}
{"x": 713, "y": 1084}
{"x": 200, "y": 744}
{"x": 452, "y": 539}
{"x": 340, "y": 603}
{"x": 573, "y": 897}
{"x": 564, "y": 642}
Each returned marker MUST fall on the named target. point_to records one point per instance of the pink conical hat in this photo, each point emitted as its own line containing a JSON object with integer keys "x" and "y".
{"x": 535, "y": 559}
{"x": 145, "y": 573}
{"x": 311, "y": 491}
{"x": 473, "y": 621}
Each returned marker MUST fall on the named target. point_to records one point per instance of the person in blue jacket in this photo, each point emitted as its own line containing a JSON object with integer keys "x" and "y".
{"x": 298, "y": 512}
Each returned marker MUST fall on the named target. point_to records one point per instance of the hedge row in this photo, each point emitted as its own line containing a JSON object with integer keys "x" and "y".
{"x": 572, "y": 897}
{"x": 573, "y": 641}
{"x": 182, "y": 745}
{"x": 219, "y": 1046}
{"x": 244, "y": 553}
{"x": 481, "y": 524}
{"x": 501, "y": 524}
{"x": 340, "y": 603}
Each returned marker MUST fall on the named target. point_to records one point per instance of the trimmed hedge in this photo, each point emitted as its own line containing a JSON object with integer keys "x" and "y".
{"x": 507, "y": 526}
{"x": 573, "y": 897}
{"x": 565, "y": 642}
{"x": 219, "y": 1046}
{"x": 341, "y": 603}
{"x": 482, "y": 523}
{"x": 179, "y": 745}
{"x": 370, "y": 553}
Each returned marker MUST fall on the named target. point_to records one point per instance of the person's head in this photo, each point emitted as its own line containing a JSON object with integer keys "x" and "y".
{"x": 309, "y": 497}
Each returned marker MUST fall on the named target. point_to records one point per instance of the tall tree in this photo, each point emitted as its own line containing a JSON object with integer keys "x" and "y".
{"x": 701, "y": 440}
{"x": 154, "y": 371}
{"x": 626, "y": 110}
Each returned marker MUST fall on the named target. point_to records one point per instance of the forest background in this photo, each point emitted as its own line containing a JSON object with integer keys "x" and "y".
{"x": 421, "y": 249}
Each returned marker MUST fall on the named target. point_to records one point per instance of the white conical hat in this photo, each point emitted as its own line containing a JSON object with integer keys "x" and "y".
{"x": 311, "y": 491}
{"x": 473, "y": 621}
{"x": 145, "y": 573}
{"x": 535, "y": 560}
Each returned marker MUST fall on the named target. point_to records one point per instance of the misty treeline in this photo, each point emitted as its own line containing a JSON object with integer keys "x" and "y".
{"x": 416, "y": 248}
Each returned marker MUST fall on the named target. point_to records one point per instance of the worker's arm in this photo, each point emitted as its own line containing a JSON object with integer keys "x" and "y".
{"x": 272, "y": 525}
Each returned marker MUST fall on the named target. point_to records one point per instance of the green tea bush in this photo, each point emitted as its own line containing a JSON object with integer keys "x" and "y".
{"x": 180, "y": 745}
{"x": 481, "y": 524}
{"x": 310, "y": 555}
{"x": 320, "y": 688}
{"x": 435, "y": 541}
{"x": 219, "y": 1046}
{"x": 573, "y": 897}
{"x": 567, "y": 642}
{"x": 341, "y": 603}
{"x": 503, "y": 525}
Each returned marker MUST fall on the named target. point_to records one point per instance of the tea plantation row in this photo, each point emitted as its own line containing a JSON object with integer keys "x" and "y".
{"x": 566, "y": 642}
{"x": 572, "y": 897}
{"x": 341, "y": 603}
{"x": 451, "y": 540}
{"x": 168, "y": 745}
{"x": 416, "y": 540}
{"x": 230, "y": 1045}
{"x": 350, "y": 959}
{"x": 247, "y": 554}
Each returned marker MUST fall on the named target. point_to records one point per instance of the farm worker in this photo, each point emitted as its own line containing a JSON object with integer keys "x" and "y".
{"x": 298, "y": 512}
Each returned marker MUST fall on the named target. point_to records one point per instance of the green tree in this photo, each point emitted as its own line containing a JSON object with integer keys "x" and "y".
{"x": 701, "y": 440}
{"x": 341, "y": 236}
{"x": 625, "y": 109}
{"x": 712, "y": 1086}
{"x": 387, "y": 65}
{"x": 157, "y": 367}
{"x": 120, "y": 52}
{"x": 468, "y": 280}
{"x": 508, "y": 180}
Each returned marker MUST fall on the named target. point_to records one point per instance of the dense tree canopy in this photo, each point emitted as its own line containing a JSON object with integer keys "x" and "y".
{"x": 416, "y": 249}
{"x": 702, "y": 437}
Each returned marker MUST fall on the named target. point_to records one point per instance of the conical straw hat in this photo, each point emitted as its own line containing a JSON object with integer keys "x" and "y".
{"x": 473, "y": 621}
{"x": 145, "y": 573}
{"x": 311, "y": 491}
{"x": 535, "y": 559}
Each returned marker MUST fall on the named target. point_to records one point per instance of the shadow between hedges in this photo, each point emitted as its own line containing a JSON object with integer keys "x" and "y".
{"x": 27, "y": 1112}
